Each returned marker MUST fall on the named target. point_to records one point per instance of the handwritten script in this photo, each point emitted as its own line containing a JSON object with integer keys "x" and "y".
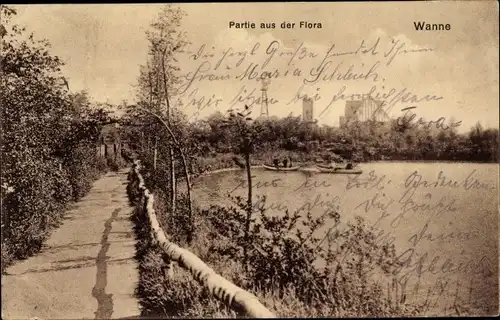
{"x": 301, "y": 69}
{"x": 429, "y": 209}
{"x": 421, "y": 215}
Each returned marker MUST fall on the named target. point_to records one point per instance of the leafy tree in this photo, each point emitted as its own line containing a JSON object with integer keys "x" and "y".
{"x": 48, "y": 141}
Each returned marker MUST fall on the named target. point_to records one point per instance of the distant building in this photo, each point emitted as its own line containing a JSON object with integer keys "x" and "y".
{"x": 364, "y": 110}
{"x": 307, "y": 109}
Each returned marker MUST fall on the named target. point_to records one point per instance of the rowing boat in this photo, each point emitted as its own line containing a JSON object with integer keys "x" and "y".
{"x": 340, "y": 170}
{"x": 329, "y": 166}
{"x": 274, "y": 168}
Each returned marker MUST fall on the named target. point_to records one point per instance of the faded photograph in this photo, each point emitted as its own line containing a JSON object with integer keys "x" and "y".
{"x": 259, "y": 160}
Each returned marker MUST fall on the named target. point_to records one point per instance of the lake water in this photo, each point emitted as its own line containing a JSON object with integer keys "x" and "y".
{"x": 443, "y": 217}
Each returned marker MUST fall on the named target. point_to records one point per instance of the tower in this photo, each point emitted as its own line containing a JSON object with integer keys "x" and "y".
{"x": 307, "y": 109}
{"x": 264, "y": 107}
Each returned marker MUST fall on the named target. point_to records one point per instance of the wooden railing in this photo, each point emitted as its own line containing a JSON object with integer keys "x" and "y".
{"x": 233, "y": 296}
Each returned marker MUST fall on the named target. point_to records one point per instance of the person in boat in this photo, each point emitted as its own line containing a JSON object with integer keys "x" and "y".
{"x": 276, "y": 163}
{"x": 285, "y": 163}
{"x": 349, "y": 166}
{"x": 290, "y": 161}
{"x": 332, "y": 164}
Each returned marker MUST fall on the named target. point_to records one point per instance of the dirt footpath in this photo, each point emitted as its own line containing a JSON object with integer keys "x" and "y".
{"x": 87, "y": 268}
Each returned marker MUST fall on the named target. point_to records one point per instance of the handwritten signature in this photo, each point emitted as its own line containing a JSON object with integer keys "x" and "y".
{"x": 407, "y": 119}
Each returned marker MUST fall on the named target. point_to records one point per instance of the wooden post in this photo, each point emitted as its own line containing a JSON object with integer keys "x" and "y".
{"x": 168, "y": 266}
{"x": 173, "y": 182}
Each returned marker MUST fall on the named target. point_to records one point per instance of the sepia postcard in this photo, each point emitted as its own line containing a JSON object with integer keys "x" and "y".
{"x": 262, "y": 160}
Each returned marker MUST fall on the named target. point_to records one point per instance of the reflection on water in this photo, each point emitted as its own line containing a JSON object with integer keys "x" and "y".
{"x": 442, "y": 217}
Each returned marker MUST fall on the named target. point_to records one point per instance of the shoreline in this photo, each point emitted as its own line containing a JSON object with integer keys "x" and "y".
{"x": 228, "y": 169}
{"x": 207, "y": 173}
{"x": 309, "y": 167}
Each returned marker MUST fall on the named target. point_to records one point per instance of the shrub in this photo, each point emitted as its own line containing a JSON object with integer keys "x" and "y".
{"x": 34, "y": 206}
{"x": 36, "y": 197}
{"x": 81, "y": 165}
{"x": 115, "y": 164}
{"x": 101, "y": 165}
{"x": 62, "y": 186}
{"x": 332, "y": 273}
{"x": 48, "y": 142}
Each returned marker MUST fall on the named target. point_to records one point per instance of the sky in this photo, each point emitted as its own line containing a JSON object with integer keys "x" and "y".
{"x": 450, "y": 73}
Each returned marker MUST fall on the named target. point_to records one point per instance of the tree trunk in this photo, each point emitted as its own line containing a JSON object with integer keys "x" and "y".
{"x": 142, "y": 141}
{"x": 173, "y": 187}
{"x": 165, "y": 86}
{"x": 183, "y": 157}
{"x": 249, "y": 178}
{"x": 155, "y": 153}
{"x": 249, "y": 208}
{"x": 188, "y": 185}
{"x": 150, "y": 78}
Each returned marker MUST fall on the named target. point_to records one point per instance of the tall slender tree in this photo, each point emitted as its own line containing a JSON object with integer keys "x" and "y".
{"x": 157, "y": 86}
